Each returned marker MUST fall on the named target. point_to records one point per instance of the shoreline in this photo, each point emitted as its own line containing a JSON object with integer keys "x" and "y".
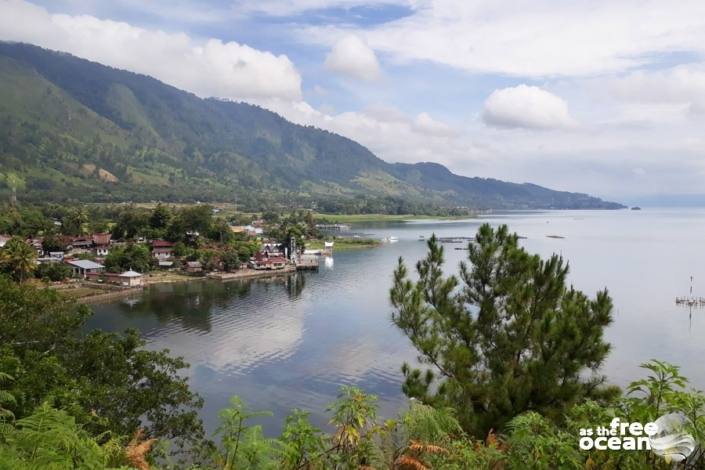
{"x": 245, "y": 274}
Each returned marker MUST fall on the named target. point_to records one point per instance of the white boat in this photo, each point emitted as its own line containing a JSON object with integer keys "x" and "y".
{"x": 393, "y": 239}
{"x": 422, "y": 238}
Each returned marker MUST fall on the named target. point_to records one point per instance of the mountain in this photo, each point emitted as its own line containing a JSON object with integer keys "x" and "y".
{"x": 78, "y": 130}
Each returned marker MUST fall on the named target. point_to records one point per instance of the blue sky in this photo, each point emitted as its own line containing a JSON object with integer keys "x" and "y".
{"x": 604, "y": 97}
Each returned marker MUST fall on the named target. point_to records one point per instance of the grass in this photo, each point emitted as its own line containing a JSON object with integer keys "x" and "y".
{"x": 358, "y": 218}
{"x": 82, "y": 292}
{"x": 157, "y": 277}
{"x": 343, "y": 244}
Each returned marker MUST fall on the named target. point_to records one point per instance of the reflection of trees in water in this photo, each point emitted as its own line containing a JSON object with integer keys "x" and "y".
{"x": 192, "y": 303}
{"x": 295, "y": 284}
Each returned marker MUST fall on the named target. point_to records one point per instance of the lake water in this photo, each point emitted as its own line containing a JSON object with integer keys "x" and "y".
{"x": 292, "y": 342}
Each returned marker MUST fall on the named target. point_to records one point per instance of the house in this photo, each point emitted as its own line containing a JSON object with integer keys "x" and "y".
{"x": 102, "y": 251}
{"x": 328, "y": 248}
{"x": 130, "y": 278}
{"x": 82, "y": 243}
{"x": 126, "y": 279}
{"x": 272, "y": 249}
{"x": 249, "y": 230}
{"x": 253, "y": 231}
{"x": 101, "y": 242}
{"x": 168, "y": 265}
{"x": 194, "y": 267}
{"x": 36, "y": 243}
{"x": 265, "y": 260}
{"x": 57, "y": 255}
{"x": 162, "y": 249}
{"x": 83, "y": 267}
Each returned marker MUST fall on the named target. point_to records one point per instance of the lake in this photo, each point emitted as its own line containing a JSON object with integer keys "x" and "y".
{"x": 292, "y": 342}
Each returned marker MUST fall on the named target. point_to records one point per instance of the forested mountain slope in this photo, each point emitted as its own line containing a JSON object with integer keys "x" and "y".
{"x": 72, "y": 129}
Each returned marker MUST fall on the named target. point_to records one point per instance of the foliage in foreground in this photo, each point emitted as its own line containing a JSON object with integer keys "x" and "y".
{"x": 422, "y": 437}
{"x": 108, "y": 383}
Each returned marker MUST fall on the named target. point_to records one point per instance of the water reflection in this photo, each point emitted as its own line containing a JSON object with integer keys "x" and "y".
{"x": 295, "y": 284}
{"x": 189, "y": 304}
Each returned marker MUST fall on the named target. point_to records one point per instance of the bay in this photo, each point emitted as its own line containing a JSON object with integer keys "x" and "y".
{"x": 291, "y": 342}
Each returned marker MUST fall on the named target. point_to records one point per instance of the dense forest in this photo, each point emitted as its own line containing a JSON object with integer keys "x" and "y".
{"x": 74, "y": 130}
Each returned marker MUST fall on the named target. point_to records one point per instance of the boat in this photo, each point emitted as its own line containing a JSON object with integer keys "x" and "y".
{"x": 636, "y": 208}
{"x": 393, "y": 239}
{"x": 422, "y": 238}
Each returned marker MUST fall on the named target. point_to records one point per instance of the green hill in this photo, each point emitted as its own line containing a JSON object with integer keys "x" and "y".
{"x": 78, "y": 130}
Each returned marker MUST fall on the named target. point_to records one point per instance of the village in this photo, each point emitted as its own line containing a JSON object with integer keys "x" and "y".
{"x": 165, "y": 245}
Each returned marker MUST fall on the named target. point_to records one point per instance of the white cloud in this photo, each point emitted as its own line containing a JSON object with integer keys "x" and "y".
{"x": 352, "y": 57}
{"x": 527, "y": 107}
{"x": 639, "y": 131}
{"x": 682, "y": 85}
{"x": 205, "y": 67}
{"x": 425, "y": 124}
{"x": 536, "y": 38}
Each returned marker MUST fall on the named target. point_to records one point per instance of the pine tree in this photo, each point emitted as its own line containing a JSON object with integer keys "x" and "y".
{"x": 508, "y": 336}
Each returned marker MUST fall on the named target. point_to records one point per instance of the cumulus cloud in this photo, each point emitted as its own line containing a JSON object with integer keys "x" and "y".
{"x": 206, "y": 67}
{"x": 527, "y": 107}
{"x": 352, "y": 57}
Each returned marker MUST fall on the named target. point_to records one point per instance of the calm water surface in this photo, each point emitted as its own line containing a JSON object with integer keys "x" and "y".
{"x": 292, "y": 342}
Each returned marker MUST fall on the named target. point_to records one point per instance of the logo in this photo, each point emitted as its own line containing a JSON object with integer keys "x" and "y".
{"x": 672, "y": 441}
{"x": 666, "y": 437}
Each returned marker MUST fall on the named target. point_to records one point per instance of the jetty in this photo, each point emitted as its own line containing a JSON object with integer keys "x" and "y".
{"x": 691, "y": 301}
{"x": 333, "y": 227}
{"x": 454, "y": 239}
{"x": 307, "y": 263}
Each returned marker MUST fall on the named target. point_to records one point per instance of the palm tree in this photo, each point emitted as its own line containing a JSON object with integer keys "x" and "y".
{"x": 18, "y": 259}
{"x": 75, "y": 221}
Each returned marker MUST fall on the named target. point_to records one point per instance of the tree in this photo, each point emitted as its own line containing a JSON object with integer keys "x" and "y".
{"x": 511, "y": 337}
{"x": 160, "y": 218}
{"x": 73, "y": 223}
{"x": 230, "y": 260}
{"x": 53, "y": 242}
{"x": 14, "y": 182}
{"x": 131, "y": 256}
{"x": 109, "y": 382}
{"x": 53, "y": 271}
{"x": 18, "y": 259}
{"x": 131, "y": 222}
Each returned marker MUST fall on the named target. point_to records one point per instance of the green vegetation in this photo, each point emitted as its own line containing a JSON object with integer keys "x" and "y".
{"x": 18, "y": 259}
{"x": 512, "y": 337}
{"x": 131, "y": 256}
{"x": 511, "y": 351}
{"x": 199, "y": 235}
{"x": 344, "y": 243}
{"x": 74, "y": 130}
{"x": 108, "y": 384}
{"x": 53, "y": 272}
